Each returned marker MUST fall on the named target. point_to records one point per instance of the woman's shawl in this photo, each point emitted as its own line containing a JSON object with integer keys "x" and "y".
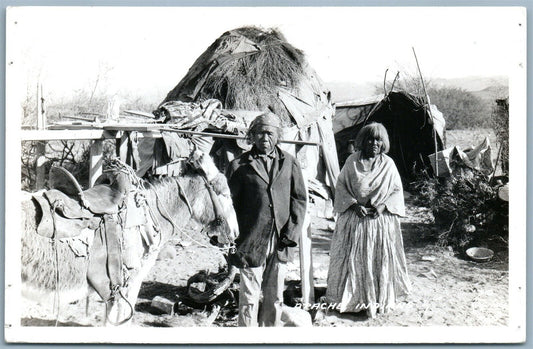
{"x": 379, "y": 185}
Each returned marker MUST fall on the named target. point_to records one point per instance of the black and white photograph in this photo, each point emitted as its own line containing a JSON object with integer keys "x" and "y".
{"x": 195, "y": 174}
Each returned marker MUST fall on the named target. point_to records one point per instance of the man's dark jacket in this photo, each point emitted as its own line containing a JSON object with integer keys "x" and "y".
{"x": 261, "y": 202}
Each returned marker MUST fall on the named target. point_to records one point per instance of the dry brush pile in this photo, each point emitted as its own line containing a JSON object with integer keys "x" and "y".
{"x": 467, "y": 210}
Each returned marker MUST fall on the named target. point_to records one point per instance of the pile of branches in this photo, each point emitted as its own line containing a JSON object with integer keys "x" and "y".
{"x": 72, "y": 155}
{"x": 466, "y": 209}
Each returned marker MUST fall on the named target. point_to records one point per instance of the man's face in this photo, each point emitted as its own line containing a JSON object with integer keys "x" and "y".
{"x": 265, "y": 138}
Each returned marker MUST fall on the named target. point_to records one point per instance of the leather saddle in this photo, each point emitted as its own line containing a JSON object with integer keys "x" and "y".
{"x": 67, "y": 210}
{"x": 105, "y": 197}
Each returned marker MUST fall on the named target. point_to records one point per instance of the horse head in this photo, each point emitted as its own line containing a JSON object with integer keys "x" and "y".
{"x": 223, "y": 228}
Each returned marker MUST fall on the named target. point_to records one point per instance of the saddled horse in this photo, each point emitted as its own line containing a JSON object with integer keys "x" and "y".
{"x": 58, "y": 267}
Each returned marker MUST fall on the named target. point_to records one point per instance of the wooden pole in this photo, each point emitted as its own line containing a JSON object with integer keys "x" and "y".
{"x": 430, "y": 114}
{"x": 43, "y": 109}
{"x": 306, "y": 260}
{"x": 221, "y": 135}
{"x": 40, "y": 168}
{"x": 40, "y": 119}
{"x": 96, "y": 161}
{"x": 122, "y": 147}
{"x": 40, "y": 151}
{"x": 496, "y": 164}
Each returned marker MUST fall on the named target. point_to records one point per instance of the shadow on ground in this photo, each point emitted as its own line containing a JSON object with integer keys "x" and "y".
{"x": 50, "y": 323}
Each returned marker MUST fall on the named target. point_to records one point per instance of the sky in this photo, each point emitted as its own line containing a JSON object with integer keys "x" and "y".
{"x": 147, "y": 51}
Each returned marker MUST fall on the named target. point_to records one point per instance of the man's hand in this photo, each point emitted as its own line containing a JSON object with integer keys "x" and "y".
{"x": 285, "y": 242}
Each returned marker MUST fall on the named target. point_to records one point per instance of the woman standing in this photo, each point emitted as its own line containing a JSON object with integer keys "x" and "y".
{"x": 367, "y": 268}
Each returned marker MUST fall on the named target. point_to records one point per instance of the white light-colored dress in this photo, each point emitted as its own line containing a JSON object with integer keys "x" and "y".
{"x": 367, "y": 260}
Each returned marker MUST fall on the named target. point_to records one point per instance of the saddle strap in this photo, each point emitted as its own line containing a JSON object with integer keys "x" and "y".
{"x": 45, "y": 227}
{"x": 114, "y": 250}
{"x": 105, "y": 259}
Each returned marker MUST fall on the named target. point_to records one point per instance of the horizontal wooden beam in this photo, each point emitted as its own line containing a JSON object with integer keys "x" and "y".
{"x": 116, "y": 131}
{"x": 230, "y": 136}
{"x": 57, "y": 135}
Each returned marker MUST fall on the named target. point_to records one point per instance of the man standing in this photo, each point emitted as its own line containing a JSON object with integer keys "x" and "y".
{"x": 269, "y": 197}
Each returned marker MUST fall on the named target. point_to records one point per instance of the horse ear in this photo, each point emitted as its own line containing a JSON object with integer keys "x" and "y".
{"x": 203, "y": 162}
{"x": 194, "y": 156}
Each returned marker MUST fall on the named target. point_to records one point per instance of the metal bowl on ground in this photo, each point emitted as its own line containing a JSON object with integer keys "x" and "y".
{"x": 480, "y": 254}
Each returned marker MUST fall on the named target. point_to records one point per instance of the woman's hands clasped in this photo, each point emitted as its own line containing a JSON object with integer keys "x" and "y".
{"x": 378, "y": 210}
{"x": 360, "y": 210}
{"x": 372, "y": 212}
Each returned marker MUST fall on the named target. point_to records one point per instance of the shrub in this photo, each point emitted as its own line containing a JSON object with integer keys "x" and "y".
{"x": 466, "y": 209}
{"x": 72, "y": 155}
{"x": 461, "y": 108}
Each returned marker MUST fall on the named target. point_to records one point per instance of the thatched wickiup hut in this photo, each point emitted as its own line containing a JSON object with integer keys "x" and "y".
{"x": 250, "y": 70}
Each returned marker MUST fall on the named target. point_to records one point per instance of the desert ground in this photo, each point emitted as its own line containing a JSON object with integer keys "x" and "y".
{"x": 447, "y": 289}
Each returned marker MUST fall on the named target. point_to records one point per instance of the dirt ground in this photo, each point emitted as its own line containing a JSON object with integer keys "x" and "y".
{"x": 446, "y": 289}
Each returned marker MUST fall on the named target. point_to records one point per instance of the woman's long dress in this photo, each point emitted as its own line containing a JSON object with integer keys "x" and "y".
{"x": 367, "y": 260}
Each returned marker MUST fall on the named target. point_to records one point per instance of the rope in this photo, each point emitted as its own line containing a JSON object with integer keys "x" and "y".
{"x": 116, "y": 164}
{"x": 54, "y": 246}
{"x": 56, "y": 294}
{"x": 116, "y": 290}
{"x": 166, "y": 215}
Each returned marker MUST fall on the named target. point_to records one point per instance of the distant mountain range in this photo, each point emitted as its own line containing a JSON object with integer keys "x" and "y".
{"x": 347, "y": 91}
{"x": 472, "y": 83}
{"x": 486, "y": 88}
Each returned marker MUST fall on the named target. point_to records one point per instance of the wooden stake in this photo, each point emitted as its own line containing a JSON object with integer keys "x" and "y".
{"x": 40, "y": 124}
{"x": 96, "y": 161}
{"x": 497, "y": 160}
{"x": 430, "y": 114}
{"x": 122, "y": 147}
{"x": 306, "y": 260}
{"x": 41, "y": 112}
{"x": 40, "y": 151}
{"x": 40, "y": 162}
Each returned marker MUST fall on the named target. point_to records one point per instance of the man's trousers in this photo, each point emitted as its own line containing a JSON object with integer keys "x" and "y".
{"x": 269, "y": 279}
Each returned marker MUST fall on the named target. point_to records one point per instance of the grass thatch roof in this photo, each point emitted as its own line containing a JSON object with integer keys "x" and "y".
{"x": 243, "y": 69}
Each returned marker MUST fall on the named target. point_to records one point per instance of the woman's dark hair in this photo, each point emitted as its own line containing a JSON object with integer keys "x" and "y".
{"x": 373, "y": 130}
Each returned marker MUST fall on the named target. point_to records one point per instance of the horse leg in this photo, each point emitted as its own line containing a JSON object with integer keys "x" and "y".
{"x": 135, "y": 284}
{"x": 121, "y": 310}
{"x": 87, "y": 305}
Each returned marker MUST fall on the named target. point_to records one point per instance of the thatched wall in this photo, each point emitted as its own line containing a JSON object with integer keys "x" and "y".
{"x": 251, "y": 69}
{"x": 243, "y": 69}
